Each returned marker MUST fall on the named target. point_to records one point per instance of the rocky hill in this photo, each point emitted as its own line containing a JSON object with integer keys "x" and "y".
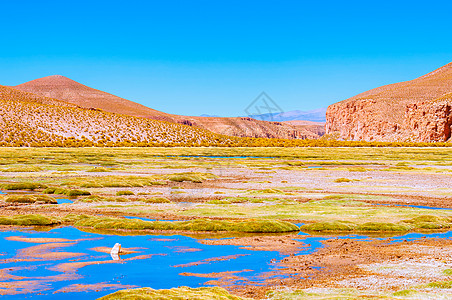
{"x": 316, "y": 127}
{"x": 419, "y": 110}
{"x": 28, "y": 120}
{"x": 65, "y": 89}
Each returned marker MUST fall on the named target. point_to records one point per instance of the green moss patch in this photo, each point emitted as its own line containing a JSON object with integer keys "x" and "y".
{"x": 124, "y": 193}
{"x": 67, "y": 192}
{"x": 256, "y": 226}
{"x": 98, "y": 169}
{"x": 28, "y": 220}
{"x": 329, "y": 226}
{"x": 193, "y": 177}
{"x": 29, "y": 199}
{"x": 216, "y": 201}
{"x": 112, "y": 181}
{"x": 268, "y": 191}
{"x": 155, "y": 200}
{"x": 23, "y": 186}
{"x": 23, "y": 169}
{"x": 379, "y": 226}
{"x": 181, "y": 293}
{"x": 440, "y": 285}
{"x": 342, "y": 179}
{"x": 429, "y": 222}
{"x": 423, "y": 222}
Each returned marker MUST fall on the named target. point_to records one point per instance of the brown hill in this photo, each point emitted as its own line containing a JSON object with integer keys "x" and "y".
{"x": 316, "y": 127}
{"x": 65, "y": 89}
{"x": 418, "y": 110}
{"x": 32, "y": 120}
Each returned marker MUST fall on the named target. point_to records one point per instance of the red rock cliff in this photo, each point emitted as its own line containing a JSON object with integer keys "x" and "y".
{"x": 417, "y": 110}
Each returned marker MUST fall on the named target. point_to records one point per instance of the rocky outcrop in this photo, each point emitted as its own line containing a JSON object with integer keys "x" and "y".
{"x": 430, "y": 122}
{"x": 412, "y": 111}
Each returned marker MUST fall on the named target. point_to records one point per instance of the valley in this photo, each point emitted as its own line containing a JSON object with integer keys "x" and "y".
{"x": 259, "y": 222}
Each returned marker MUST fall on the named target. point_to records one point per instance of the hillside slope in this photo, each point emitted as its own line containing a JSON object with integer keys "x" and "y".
{"x": 418, "y": 110}
{"x": 316, "y": 127}
{"x": 68, "y": 90}
{"x": 28, "y": 120}
{"x": 65, "y": 89}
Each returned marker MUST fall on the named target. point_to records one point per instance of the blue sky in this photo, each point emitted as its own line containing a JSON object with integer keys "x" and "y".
{"x": 215, "y": 57}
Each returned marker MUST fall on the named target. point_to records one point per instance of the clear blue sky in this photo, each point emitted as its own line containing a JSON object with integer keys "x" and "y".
{"x": 194, "y": 57}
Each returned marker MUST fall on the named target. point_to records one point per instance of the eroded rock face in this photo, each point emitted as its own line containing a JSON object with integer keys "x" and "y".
{"x": 414, "y": 111}
{"x": 362, "y": 120}
{"x": 430, "y": 122}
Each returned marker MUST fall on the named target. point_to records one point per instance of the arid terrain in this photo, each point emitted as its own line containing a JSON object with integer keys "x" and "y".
{"x": 262, "y": 223}
{"x": 419, "y": 110}
{"x": 67, "y": 90}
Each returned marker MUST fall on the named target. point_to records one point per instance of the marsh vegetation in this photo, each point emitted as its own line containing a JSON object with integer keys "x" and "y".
{"x": 233, "y": 191}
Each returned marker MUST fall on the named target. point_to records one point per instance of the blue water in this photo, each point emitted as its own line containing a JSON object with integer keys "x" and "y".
{"x": 158, "y": 271}
{"x": 417, "y": 236}
{"x": 147, "y": 219}
{"x": 161, "y": 270}
{"x": 63, "y": 201}
{"x": 414, "y": 206}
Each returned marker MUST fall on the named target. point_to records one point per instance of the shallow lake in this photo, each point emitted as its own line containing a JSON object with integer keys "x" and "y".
{"x": 46, "y": 272}
{"x": 45, "y": 269}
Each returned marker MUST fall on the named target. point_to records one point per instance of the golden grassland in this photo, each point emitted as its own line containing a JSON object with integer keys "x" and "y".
{"x": 17, "y": 159}
{"x": 124, "y": 179}
{"x": 231, "y": 192}
{"x": 30, "y": 120}
{"x": 186, "y": 293}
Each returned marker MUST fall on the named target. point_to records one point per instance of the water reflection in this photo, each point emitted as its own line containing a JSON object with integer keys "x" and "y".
{"x": 44, "y": 264}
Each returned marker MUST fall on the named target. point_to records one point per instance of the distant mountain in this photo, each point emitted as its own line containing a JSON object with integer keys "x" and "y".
{"x": 70, "y": 91}
{"x": 316, "y": 115}
{"x": 209, "y": 116}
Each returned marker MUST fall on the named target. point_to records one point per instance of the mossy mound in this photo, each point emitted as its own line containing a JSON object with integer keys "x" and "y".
{"x": 379, "y": 226}
{"x": 67, "y": 192}
{"x": 124, "y": 193}
{"x": 216, "y": 201}
{"x": 429, "y": 222}
{"x": 181, "y": 293}
{"x": 23, "y": 186}
{"x": 93, "y": 198}
{"x": 29, "y": 199}
{"x": 440, "y": 284}
{"x": 423, "y": 222}
{"x": 112, "y": 181}
{"x": 28, "y": 220}
{"x": 155, "y": 200}
{"x": 98, "y": 169}
{"x": 96, "y": 198}
{"x": 23, "y": 169}
{"x": 193, "y": 177}
{"x": 349, "y": 226}
{"x": 329, "y": 226}
{"x": 342, "y": 179}
{"x": 257, "y": 226}
{"x": 267, "y": 191}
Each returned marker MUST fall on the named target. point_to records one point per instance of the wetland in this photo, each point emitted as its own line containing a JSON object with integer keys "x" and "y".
{"x": 251, "y": 223}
